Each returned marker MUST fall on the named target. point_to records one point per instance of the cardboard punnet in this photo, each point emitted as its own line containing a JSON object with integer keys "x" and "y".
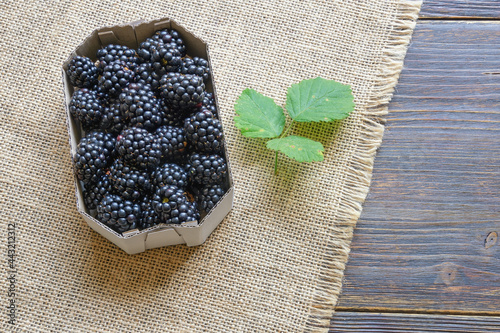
{"x": 136, "y": 241}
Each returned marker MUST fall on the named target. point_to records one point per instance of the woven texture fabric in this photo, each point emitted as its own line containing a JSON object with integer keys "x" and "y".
{"x": 275, "y": 264}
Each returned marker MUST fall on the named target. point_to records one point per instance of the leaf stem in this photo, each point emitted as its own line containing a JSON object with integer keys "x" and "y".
{"x": 276, "y": 163}
{"x": 287, "y": 129}
{"x": 276, "y": 156}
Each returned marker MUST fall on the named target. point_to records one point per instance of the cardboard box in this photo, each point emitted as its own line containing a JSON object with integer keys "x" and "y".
{"x": 136, "y": 241}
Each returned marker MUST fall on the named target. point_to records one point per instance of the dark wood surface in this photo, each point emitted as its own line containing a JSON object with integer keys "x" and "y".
{"x": 399, "y": 322}
{"x": 425, "y": 256}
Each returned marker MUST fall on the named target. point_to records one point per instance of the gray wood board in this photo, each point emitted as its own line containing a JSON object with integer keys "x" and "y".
{"x": 427, "y": 239}
{"x": 397, "y": 322}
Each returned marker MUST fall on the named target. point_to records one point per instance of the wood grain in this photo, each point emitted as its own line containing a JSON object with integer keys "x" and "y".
{"x": 397, "y": 322}
{"x": 461, "y": 9}
{"x": 427, "y": 240}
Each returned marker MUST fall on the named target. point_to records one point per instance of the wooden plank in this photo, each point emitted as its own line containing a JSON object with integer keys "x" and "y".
{"x": 461, "y": 9}
{"x": 398, "y": 322}
{"x": 427, "y": 239}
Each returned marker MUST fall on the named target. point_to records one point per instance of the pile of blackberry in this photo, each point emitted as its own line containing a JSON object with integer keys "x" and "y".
{"x": 152, "y": 149}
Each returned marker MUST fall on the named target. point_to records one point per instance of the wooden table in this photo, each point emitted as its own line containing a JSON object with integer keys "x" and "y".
{"x": 426, "y": 251}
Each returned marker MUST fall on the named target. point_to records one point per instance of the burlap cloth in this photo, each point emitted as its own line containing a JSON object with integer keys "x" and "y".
{"x": 275, "y": 264}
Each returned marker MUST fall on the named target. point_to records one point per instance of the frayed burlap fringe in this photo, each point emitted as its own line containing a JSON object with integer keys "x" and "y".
{"x": 361, "y": 166}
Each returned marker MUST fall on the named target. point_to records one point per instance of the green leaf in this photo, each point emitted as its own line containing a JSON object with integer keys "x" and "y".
{"x": 299, "y": 148}
{"x": 319, "y": 100}
{"x": 259, "y": 116}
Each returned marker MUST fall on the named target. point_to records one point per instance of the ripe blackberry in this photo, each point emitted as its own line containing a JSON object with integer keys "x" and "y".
{"x": 94, "y": 154}
{"x": 82, "y": 72}
{"x": 112, "y": 119}
{"x": 172, "y": 39}
{"x": 94, "y": 192}
{"x": 182, "y": 91}
{"x": 149, "y": 216}
{"x": 145, "y": 74}
{"x": 115, "y": 76}
{"x": 86, "y": 107}
{"x": 173, "y": 116}
{"x": 138, "y": 148}
{"x": 173, "y": 142}
{"x": 209, "y": 103}
{"x": 173, "y": 206}
{"x": 204, "y": 132}
{"x": 166, "y": 57}
{"x": 209, "y": 196}
{"x": 131, "y": 183}
{"x": 147, "y": 48}
{"x": 197, "y": 66}
{"x": 139, "y": 104}
{"x": 119, "y": 214}
{"x": 206, "y": 169}
{"x": 111, "y": 53}
{"x": 170, "y": 174}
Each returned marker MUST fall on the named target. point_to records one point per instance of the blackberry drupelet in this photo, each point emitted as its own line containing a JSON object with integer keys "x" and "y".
{"x": 112, "y": 119}
{"x": 204, "y": 132}
{"x": 173, "y": 206}
{"x": 111, "y": 53}
{"x": 115, "y": 77}
{"x": 197, "y": 66}
{"x": 139, "y": 104}
{"x": 138, "y": 148}
{"x": 173, "y": 143}
{"x": 119, "y": 214}
{"x": 182, "y": 91}
{"x": 206, "y": 169}
{"x": 131, "y": 183}
{"x": 172, "y": 39}
{"x": 82, "y": 72}
{"x": 149, "y": 216}
{"x": 86, "y": 107}
{"x": 94, "y": 192}
{"x": 94, "y": 154}
{"x": 209, "y": 196}
{"x": 170, "y": 174}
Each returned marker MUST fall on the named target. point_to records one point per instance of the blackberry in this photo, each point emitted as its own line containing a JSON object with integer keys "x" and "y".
{"x": 138, "y": 148}
{"x": 139, "y": 104}
{"x": 112, "y": 119}
{"x": 209, "y": 196}
{"x": 172, "y": 39}
{"x": 94, "y": 154}
{"x": 182, "y": 91}
{"x": 204, "y": 132}
{"x": 149, "y": 216}
{"x": 95, "y": 191}
{"x": 86, "y": 107}
{"x": 115, "y": 76}
{"x": 82, "y": 72}
{"x": 209, "y": 103}
{"x": 173, "y": 142}
{"x": 206, "y": 169}
{"x": 173, "y": 206}
{"x": 173, "y": 116}
{"x": 119, "y": 214}
{"x": 147, "y": 76}
{"x": 111, "y": 53}
{"x": 197, "y": 66}
{"x": 188, "y": 212}
{"x": 129, "y": 182}
{"x": 147, "y": 48}
{"x": 166, "y": 57}
{"x": 170, "y": 174}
